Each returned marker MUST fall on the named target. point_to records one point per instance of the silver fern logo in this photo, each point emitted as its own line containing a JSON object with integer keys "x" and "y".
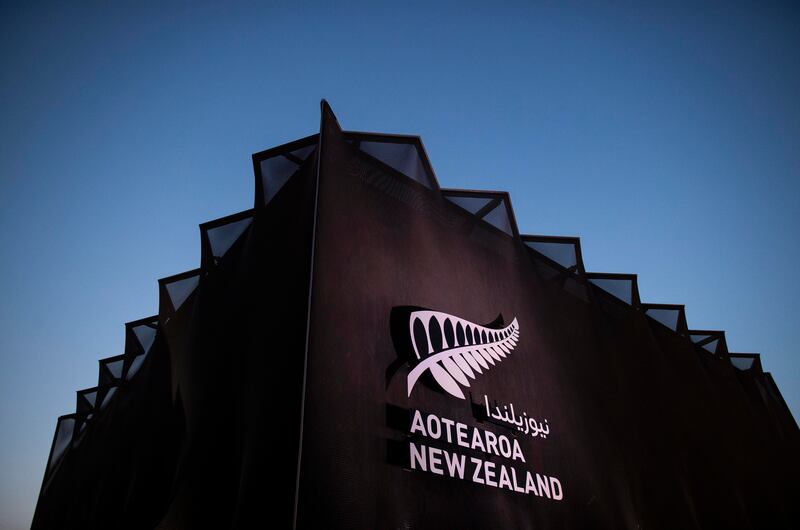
{"x": 453, "y": 350}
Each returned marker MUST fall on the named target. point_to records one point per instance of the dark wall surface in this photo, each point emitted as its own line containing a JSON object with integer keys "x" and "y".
{"x": 644, "y": 433}
{"x": 283, "y": 393}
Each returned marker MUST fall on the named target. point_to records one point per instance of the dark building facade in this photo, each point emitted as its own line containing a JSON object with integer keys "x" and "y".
{"x": 364, "y": 349}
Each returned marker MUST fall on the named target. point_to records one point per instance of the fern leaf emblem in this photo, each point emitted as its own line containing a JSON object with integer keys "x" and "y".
{"x": 454, "y": 350}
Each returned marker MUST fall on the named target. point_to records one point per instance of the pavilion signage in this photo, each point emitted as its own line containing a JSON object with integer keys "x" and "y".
{"x": 448, "y": 353}
{"x": 454, "y": 350}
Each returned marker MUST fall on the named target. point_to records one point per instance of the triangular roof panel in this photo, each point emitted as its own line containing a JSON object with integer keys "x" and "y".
{"x": 621, "y": 286}
{"x": 746, "y": 361}
{"x": 274, "y": 167}
{"x": 403, "y": 153}
{"x": 62, "y": 440}
{"x": 174, "y": 290}
{"x": 493, "y": 207}
{"x": 670, "y": 315}
{"x": 563, "y": 250}
{"x": 219, "y": 235}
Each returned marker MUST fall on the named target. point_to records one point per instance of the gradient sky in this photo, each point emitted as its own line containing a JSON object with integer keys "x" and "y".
{"x": 667, "y": 138}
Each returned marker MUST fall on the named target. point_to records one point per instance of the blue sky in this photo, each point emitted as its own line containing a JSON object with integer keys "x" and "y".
{"x": 666, "y": 137}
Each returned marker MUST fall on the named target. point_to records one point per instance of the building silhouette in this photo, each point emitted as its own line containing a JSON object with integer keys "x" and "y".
{"x": 365, "y": 349}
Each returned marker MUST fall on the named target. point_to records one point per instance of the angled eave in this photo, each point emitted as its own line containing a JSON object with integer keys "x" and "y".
{"x": 175, "y": 290}
{"x": 492, "y": 207}
{"x": 671, "y": 316}
{"x": 619, "y": 286}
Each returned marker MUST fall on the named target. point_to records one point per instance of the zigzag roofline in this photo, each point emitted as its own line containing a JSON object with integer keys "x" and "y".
{"x": 405, "y": 156}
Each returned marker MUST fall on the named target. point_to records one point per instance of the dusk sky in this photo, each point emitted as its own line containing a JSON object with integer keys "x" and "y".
{"x": 667, "y": 138}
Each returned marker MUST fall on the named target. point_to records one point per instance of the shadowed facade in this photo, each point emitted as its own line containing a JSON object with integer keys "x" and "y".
{"x": 273, "y": 387}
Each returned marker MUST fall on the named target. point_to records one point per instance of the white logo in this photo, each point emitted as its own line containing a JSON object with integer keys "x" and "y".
{"x": 453, "y": 350}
